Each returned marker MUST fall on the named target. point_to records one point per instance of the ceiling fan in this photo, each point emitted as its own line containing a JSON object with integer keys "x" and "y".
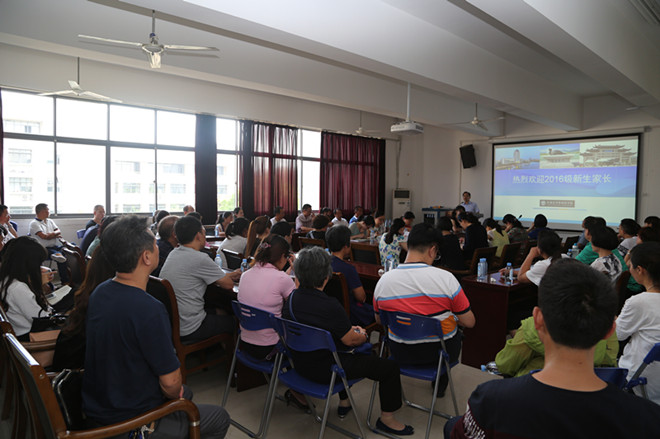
{"x": 77, "y": 91}
{"x": 153, "y": 48}
{"x": 361, "y": 131}
{"x": 478, "y": 122}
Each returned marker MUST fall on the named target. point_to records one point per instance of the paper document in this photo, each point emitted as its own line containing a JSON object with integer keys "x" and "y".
{"x": 57, "y": 295}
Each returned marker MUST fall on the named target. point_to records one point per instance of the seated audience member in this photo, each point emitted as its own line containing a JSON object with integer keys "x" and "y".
{"x": 379, "y": 222}
{"x": 188, "y": 209}
{"x": 408, "y": 219}
{"x": 89, "y": 237}
{"x": 628, "y": 229}
{"x": 648, "y": 234}
{"x": 21, "y": 284}
{"x": 451, "y": 255}
{"x": 46, "y": 232}
{"x": 588, "y": 255}
{"x": 278, "y": 215}
{"x": 238, "y": 212}
{"x": 197, "y": 215}
{"x": 327, "y": 212}
{"x": 99, "y": 213}
{"x": 166, "y": 242}
{"x": 497, "y": 237}
{"x": 514, "y": 229}
{"x": 338, "y": 239}
{"x": 236, "y": 238}
{"x": 392, "y": 243}
{"x": 221, "y": 224}
{"x": 582, "y": 239}
{"x": 338, "y": 219}
{"x": 284, "y": 230}
{"x": 304, "y": 220}
{"x": 70, "y": 346}
{"x": 576, "y": 307}
{"x": 475, "y": 235}
{"x": 652, "y": 221}
{"x": 105, "y": 223}
{"x": 319, "y": 227}
{"x": 130, "y": 364}
{"x": 549, "y": 249}
{"x": 358, "y": 211}
{"x": 639, "y": 319}
{"x": 540, "y": 223}
{"x": 190, "y": 271}
{"x": 7, "y": 230}
{"x": 469, "y": 206}
{"x": 311, "y": 306}
{"x": 456, "y": 225}
{"x": 603, "y": 241}
{"x": 416, "y": 287}
{"x": 158, "y": 215}
{"x": 361, "y": 228}
{"x": 525, "y": 352}
{"x": 258, "y": 230}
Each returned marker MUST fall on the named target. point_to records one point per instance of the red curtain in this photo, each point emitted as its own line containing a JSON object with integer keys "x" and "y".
{"x": 352, "y": 172}
{"x": 269, "y": 171}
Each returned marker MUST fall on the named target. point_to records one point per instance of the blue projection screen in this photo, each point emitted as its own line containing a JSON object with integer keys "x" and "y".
{"x": 567, "y": 180}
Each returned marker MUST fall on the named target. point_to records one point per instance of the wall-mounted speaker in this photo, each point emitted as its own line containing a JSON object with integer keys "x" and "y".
{"x": 467, "y": 156}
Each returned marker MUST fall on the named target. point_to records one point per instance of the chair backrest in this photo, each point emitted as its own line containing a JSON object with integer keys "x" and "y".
{"x": 528, "y": 245}
{"x": 612, "y": 375}
{"x": 484, "y": 252}
{"x": 76, "y": 265}
{"x": 80, "y": 233}
{"x": 411, "y": 326}
{"x": 510, "y": 253}
{"x": 14, "y": 224}
{"x": 568, "y": 243}
{"x": 311, "y": 242}
{"x": 303, "y": 338}
{"x": 251, "y": 318}
{"x": 162, "y": 291}
{"x": 365, "y": 253}
{"x": 295, "y": 240}
{"x": 621, "y": 287}
{"x": 233, "y": 258}
{"x": 45, "y": 418}
{"x": 337, "y": 287}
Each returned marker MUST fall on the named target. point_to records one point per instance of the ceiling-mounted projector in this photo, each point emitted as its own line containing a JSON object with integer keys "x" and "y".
{"x": 407, "y": 127}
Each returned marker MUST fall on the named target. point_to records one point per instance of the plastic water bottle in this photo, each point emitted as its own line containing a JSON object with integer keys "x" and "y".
{"x": 244, "y": 266}
{"x": 389, "y": 263}
{"x": 575, "y": 251}
{"x": 372, "y": 235}
{"x": 509, "y": 273}
{"x": 218, "y": 260}
{"x": 482, "y": 270}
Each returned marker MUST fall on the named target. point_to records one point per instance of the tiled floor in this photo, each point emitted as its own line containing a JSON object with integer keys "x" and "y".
{"x": 289, "y": 422}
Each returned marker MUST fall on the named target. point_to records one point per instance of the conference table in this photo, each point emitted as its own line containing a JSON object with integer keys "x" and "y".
{"x": 490, "y": 302}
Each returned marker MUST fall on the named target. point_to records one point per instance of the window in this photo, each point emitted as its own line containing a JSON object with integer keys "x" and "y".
{"x": 226, "y": 181}
{"x": 131, "y": 188}
{"x": 83, "y": 119}
{"x": 130, "y": 208}
{"x": 125, "y": 166}
{"x": 124, "y": 183}
{"x": 80, "y": 177}
{"x": 221, "y": 171}
{"x": 176, "y": 188}
{"x": 27, "y": 113}
{"x": 20, "y": 184}
{"x": 17, "y": 156}
{"x": 132, "y": 124}
{"x": 222, "y": 189}
{"x": 28, "y": 183}
{"x": 161, "y": 189}
{"x": 176, "y": 207}
{"x": 175, "y": 129}
{"x": 226, "y": 133}
{"x": 171, "y": 168}
{"x": 309, "y": 171}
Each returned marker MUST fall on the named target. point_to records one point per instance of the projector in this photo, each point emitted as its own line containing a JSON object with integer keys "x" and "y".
{"x": 407, "y": 127}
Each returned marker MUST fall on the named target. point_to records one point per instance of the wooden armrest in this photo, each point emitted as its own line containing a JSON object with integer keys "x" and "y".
{"x": 39, "y": 346}
{"x": 163, "y": 410}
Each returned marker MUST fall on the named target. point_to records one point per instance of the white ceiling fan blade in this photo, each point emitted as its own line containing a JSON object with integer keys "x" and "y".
{"x": 154, "y": 60}
{"x": 74, "y": 86}
{"x": 180, "y": 47}
{"x": 481, "y": 125}
{"x": 493, "y": 119}
{"x": 58, "y": 93}
{"x": 90, "y": 94}
{"x": 108, "y": 40}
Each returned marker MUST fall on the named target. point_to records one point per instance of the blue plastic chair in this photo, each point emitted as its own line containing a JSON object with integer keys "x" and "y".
{"x": 80, "y": 233}
{"x": 298, "y": 337}
{"x": 612, "y": 375}
{"x": 255, "y": 319}
{"x": 14, "y": 224}
{"x": 637, "y": 378}
{"x": 415, "y": 327}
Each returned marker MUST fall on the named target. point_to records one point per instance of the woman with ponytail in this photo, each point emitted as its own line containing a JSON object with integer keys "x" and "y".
{"x": 259, "y": 229}
{"x": 392, "y": 242}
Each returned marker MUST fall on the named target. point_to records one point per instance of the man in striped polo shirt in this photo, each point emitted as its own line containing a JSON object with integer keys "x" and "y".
{"x": 416, "y": 287}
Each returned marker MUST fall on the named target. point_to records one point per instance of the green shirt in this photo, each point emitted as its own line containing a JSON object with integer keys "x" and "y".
{"x": 588, "y": 255}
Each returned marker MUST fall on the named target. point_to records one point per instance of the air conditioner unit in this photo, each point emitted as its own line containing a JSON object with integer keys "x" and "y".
{"x": 400, "y": 202}
{"x": 407, "y": 127}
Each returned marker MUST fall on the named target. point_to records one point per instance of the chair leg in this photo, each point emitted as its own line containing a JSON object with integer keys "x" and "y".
{"x": 229, "y": 378}
{"x": 451, "y": 385}
{"x": 326, "y": 409}
{"x": 350, "y": 398}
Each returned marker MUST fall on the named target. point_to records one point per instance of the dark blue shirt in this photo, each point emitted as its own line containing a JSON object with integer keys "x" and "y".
{"x": 129, "y": 345}
{"x": 362, "y": 314}
{"x": 349, "y": 272}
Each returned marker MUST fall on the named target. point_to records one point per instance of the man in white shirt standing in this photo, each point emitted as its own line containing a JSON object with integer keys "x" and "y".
{"x": 278, "y": 213}
{"x": 469, "y": 206}
{"x": 46, "y": 232}
{"x": 7, "y": 231}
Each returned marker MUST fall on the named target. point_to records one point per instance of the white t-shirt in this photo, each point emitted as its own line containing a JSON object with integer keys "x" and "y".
{"x": 46, "y": 226}
{"x": 273, "y": 221}
{"x": 22, "y": 307}
{"x": 339, "y": 222}
{"x": 627, "y": 245}
{"x": 609, "y": 265}
{"x": 236, "y": 244}
{"x": 535, "y": 274}
{"x": 640, "y": 320}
